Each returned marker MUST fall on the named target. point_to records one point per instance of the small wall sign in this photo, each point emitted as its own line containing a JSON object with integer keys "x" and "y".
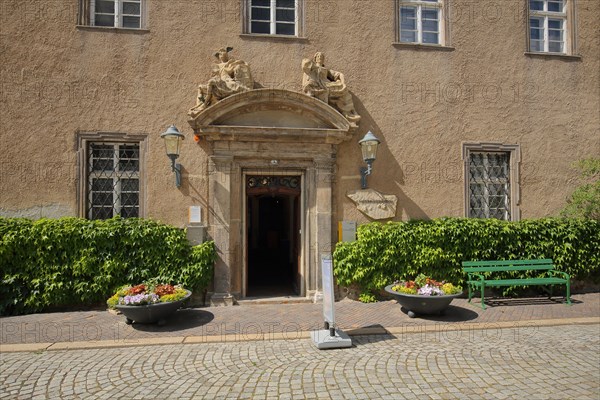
{"x": 195, "y": 214}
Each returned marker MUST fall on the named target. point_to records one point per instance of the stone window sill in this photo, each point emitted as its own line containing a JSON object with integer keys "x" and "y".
{"x": 112, "y": 29}
{"x": 273, "y": 37}
{"x": 420, "y": 46}
{"x": 573, "y": 57}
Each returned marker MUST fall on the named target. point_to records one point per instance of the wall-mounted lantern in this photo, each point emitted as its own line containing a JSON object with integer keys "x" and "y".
{"x": 368, "y": 145}
{"x": 173, "y": 139}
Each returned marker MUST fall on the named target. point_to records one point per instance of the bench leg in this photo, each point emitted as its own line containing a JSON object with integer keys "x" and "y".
{"x": 568, "y": 293}
{"x": 482, "y": 296}
{"x": 470, "y": 287}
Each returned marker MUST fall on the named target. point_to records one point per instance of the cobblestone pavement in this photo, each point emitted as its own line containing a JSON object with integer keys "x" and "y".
{"x": 244, "y": 320}
{"x": 528, "y": 363}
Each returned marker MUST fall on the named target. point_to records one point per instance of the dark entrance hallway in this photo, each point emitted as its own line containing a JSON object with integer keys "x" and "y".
{"x": 273, "y": 224}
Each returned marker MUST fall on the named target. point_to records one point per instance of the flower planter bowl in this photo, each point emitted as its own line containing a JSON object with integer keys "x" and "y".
{"x": 151, "y": 313}
{"x": 416, "y": 304}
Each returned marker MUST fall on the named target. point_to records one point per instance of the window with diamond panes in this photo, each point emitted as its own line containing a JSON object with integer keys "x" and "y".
{"x": 113, "y": 180}
{"x": 547, "y": 25}
{"x": 420, "y": 21}
{"x": 489, "y": 185}
{"x": 273, "y": 17}
{"x": 116, "y": 13}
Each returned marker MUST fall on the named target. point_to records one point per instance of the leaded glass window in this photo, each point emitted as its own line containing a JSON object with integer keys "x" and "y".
{"x": 113, "y": 171}
{"x": 489, "y": 185}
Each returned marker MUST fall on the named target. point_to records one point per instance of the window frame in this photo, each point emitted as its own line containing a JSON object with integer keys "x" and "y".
{"x": 84, "y": 178}
{"x": 116, "y": 176}
{"x": 298, "y": 19}
{"x": 567, "y": 16}
{"x": 514, "y": 152}
{"x": 88, "y": 14}
{"x": 442, "y": 6}
{"x": 485, "y": 181}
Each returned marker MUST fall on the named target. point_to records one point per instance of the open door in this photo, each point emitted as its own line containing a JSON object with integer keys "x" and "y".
{"x": 273, "y": 240}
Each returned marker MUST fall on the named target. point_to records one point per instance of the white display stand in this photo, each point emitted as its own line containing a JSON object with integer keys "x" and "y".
{"x": 329, "y": 337}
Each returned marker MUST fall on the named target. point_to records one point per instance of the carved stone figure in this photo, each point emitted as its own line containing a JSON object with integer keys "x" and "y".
{"x": 328, "y": 86}
{"x": 229, "y": 76}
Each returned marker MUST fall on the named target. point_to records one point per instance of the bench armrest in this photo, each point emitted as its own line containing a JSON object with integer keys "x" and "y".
{"x": 478, "y": 277}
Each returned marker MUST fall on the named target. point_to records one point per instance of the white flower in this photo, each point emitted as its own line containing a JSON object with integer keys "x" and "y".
{"x": 430, "y": 290}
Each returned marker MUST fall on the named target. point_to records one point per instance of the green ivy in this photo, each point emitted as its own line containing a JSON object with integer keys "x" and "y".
{"x": 585, "y": 200}
{"x": 384, "y": 253}
{"x": 74, "y": 261}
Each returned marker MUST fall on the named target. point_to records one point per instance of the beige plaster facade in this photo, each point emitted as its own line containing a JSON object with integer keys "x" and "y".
{"x": 64, "y": 84}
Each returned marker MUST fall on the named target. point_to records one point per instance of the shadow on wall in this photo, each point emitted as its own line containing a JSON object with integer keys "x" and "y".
{"x": 386, "y": 168}
{"x": 194, "y": 186}
{"x": 387, "y": 177}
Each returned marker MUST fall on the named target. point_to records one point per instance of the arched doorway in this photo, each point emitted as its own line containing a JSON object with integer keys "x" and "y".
{"x": 273, "y": 235}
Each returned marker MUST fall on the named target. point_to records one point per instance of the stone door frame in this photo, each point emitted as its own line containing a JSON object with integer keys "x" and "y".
{"x": 302, "y": 263}
{"x": 227, "y": 195}
{"x": 269, "y": 131}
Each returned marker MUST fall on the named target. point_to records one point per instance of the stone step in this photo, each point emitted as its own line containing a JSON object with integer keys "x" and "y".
{"x": 274, "y": 300}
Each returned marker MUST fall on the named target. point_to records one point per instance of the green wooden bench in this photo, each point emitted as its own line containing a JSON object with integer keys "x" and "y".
{"x": 481, "y": 275}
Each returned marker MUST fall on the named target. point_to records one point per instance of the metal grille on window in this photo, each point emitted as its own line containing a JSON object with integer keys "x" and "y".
{"x": 113, "y": 180}
{"x": 489, "y": 185}
{"x": 291, "y": 182}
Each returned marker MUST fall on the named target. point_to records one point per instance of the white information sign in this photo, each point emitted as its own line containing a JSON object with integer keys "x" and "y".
{"x": 328, "y": 294}
{"x": 348, "y": 231}
{"x": 195, "y": 214}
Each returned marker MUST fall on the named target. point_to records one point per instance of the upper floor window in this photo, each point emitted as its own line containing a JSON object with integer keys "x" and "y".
{"x": 273, "y": 17}
{"x": 112, "y": 13}
{"x": 549, "y": 28}
{"x": 117, "y": 13}
{"x": 421, "y": 21}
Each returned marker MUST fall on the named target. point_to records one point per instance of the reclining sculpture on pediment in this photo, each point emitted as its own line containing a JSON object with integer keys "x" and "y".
{"x": 328, "y": 86}
{"x": 229, "y": 76}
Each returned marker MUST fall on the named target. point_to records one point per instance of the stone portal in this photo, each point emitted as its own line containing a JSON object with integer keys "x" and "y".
{"x": 279, "y": 135}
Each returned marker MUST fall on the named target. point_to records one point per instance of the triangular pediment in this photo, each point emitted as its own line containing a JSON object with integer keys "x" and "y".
{"x": 272, "y": 115}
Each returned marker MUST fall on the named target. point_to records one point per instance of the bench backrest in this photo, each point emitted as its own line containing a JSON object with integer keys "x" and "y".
{"x": 508, "y": 265}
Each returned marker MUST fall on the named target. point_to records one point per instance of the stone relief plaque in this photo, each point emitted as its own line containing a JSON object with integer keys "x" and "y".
{"x": 373, "y": 204}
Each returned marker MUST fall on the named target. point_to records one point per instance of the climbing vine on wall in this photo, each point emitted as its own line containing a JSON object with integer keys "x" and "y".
{"x": 72, "y": 261}
{"x": 384, "y": 253}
